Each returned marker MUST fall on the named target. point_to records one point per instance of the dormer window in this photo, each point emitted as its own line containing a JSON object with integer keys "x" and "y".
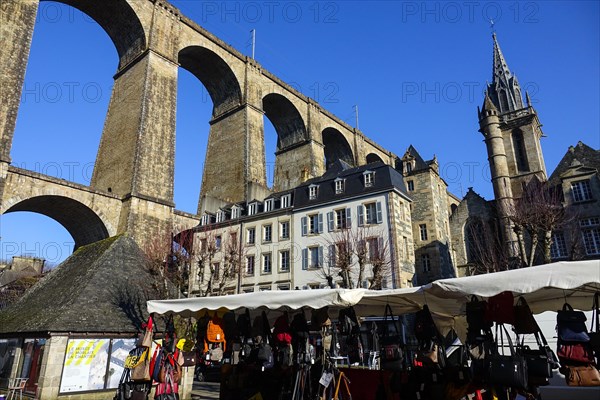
{"x": 252, "y": 208}
{"x": 269, "y": 205}
{"x": 369, "y": 178}
{"x": 286, "y": 201}
{"x": 339, "y": 185}
{"x": 220, "y": 216}
{"x": 235, "y": 212}
{"x": 313, "y": 191}
{"x": 205, "y": 220}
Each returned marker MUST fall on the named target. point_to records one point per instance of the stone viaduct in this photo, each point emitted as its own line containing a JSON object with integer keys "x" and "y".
{"x": 131, "y": 190}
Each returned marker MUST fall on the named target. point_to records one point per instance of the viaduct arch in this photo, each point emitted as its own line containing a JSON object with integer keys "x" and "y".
{"x": 135, "y": 162}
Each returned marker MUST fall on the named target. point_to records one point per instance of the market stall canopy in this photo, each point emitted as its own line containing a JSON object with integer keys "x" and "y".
{"x": 545, "y": 288}
{"x": 269, "y": 300}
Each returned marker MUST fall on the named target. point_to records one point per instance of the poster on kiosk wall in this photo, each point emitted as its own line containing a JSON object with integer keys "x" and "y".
{"x": 85, "y": 365}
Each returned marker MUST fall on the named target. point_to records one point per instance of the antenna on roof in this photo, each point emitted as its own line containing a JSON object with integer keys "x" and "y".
{"x": 356, "y": 116}
{"x": 253, "y": 40}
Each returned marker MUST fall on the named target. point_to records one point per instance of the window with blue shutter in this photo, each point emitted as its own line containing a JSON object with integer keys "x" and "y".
{"x": 304, "y": 258}
{"x": 320, "y": 223}
{"x": 330, "y": 221}
{"x": 304, "y": 226}
{"x": 379, "y": 213}
{"x": 361, "y": 217}
{"x": 320, "y": 260}
{"x": 348, "y": 218}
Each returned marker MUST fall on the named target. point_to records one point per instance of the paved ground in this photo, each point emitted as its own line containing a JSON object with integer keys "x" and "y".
{"x": 205, "y": 390}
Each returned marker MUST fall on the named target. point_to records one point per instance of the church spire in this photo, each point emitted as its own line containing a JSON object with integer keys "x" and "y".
{"x": 504, "y": 90}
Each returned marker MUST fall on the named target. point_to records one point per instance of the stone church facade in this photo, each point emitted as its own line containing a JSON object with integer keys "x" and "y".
{"x": 512, "y": 132}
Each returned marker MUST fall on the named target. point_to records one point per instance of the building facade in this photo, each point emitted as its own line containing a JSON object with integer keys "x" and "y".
{"x": 350, "y": 227}
{"x": 430, "y": 213}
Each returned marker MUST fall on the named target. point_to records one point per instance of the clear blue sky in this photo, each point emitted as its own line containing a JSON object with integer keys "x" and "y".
{"x": 416, "y": 70}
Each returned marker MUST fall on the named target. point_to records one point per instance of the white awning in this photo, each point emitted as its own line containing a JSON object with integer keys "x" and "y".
{"x": 545, "y": 288}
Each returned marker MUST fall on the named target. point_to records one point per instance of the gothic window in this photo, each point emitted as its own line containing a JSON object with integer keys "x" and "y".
{"x": 520, "y": 151}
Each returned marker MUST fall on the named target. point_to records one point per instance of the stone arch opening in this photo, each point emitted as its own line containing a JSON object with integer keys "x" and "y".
{"x": 118, "y": 20}
{"x": 283, "y": 128}
{"x": 82, "y": 223}
{"x": 336, "y": 147}
{"x": 372, "y": 157}
{"x": 67, "y": 88}
{"x": 286, "y": 120}
{"x": 206, "y": 89}
{"x": 216, "y": 76}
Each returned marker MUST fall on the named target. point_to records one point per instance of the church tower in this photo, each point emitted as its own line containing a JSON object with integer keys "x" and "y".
{"x": 519, "y": 128}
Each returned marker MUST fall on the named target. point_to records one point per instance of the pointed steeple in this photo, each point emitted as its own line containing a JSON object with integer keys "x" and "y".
{"x": 488, "y": 108}
{"x": 504, "y": 91}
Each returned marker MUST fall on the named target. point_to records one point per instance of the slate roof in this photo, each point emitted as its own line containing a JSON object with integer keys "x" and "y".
{"x": 386, "y": 178}
{"x": 583, "y": 153}
{"x": 99, "y": 288}
{"x": 420, "y": 163}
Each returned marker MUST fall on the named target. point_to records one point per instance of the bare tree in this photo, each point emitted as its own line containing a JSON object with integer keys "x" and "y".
{"x": 205, "y": 260}
{"x": 536, "y": 215}
{"x": 167, "y": 258}
{"x": 379, "y": 257}
{"x": 485, "y": 249}
{"x": 350, "y": 254}
{"x": 219, "y": 261}
{"x": 232, "y": 264}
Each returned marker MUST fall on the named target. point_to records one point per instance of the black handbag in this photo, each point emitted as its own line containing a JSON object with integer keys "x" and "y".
{"x": 390, "y": 343}
{"x": 506, "y": 370}
{"x": 539, "y": 369}
{"x": 524, "y": 320}
{"x": 571, "y": 325}
{"x": 129, "y": 390}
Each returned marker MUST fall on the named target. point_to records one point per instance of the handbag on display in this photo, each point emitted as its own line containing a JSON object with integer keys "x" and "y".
{"x": 584, "y": 375}
{"x": 476, "y": 320}
{"x": 168, "y": 389}
{"x": 148, "y": 333}
{"x": 524, "y": 320}
{"x": 500, "y": 309}
{"x": 539, "y": 369}
{"x": 390, "y": 343}
{"x": 570, "y": 325}
{"x": 506, "y": 370}
{"x": 129, "y": 390}
{"x": 140, "y": 369}
{"x": 569, "y": 352}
